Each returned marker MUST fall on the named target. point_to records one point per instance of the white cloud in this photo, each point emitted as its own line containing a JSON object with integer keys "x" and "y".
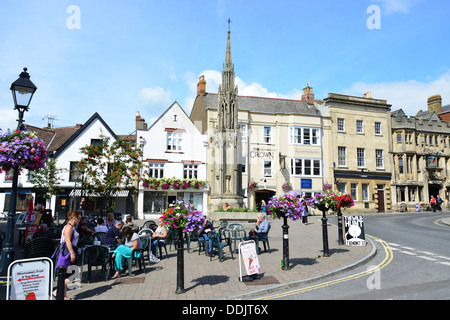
{"x": 214, "y": 79}
{"x": 411, "y": 95}
{"x": 8, "y": 119}
{"x": 155, "y": 97}
{"x": 396, "y": 6}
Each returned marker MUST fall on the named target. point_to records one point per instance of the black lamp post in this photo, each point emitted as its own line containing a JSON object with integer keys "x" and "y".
{"x": 326, "y": 252}
{"x": 339, "y": 219}
{"x": 180, "y": 263}
{"x": 285, "y": 262}
{"x": 22, "y": 90}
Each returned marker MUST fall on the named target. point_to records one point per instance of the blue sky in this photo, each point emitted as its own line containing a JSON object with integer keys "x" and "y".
{"x": 142, "y": 55}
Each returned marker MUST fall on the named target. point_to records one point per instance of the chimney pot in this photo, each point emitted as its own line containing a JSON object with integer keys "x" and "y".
{"x": 201, "y": 86}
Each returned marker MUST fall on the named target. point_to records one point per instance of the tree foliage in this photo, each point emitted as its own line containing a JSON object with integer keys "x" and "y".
{"x": 110, "y": 167}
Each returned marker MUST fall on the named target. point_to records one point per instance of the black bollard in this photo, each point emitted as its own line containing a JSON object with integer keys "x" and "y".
{"x": 340, "y": 236}
{"x": 285, "y": 262}
{"x": 326, "y": 252}
{"x": 61, "y": 287}
{"x": 180, "y": 263}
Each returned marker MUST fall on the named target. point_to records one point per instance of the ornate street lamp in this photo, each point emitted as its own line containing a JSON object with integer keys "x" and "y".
{"x": 22, "y": 90}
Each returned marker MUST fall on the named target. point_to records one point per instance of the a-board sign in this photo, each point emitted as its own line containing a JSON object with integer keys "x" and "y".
{"x": 247, "y": 250}
{"x": 354, "y": 231}
{"x": 29, "y": 232}
{"x": 30, "y": 279}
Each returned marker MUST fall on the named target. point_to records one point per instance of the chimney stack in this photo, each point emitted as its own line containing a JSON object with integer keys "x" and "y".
{"x": 308, "y": 94}
{"x": 201, "y": 86}
{"x": 140, "y": 122}
{"x": 435, "y": 104}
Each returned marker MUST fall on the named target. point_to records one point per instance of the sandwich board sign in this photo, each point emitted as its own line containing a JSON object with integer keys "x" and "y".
{"x": 354, "y": 231}
{"x": 30, "y": 279}
{"x": 247, "y": 250}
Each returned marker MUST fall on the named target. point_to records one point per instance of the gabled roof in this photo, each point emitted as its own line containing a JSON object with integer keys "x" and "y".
{"x": 175, "y": 103}
{"x": 57, "y": 139}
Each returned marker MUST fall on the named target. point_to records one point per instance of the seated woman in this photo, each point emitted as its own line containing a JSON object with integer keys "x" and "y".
{"x": 124, "y": 251}
{"x": 159, "y": 235}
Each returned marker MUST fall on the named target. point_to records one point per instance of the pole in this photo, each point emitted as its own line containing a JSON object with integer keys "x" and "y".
{"x": 7, "y": 254}
{"x": 180, "y": 263}
{"x": 339, "y": 217}
{"x": 61, "y": 287}
{"x": 326, "y": 252}
{"x": 285, "y": 261}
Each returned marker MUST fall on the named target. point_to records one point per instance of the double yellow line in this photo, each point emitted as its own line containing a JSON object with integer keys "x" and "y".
{"x": 387, "y": 259}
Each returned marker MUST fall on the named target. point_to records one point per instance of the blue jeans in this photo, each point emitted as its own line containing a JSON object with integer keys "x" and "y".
{"x": 206, "y": 238}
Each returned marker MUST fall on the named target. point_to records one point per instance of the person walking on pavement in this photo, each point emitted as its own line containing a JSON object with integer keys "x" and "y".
{"x": 439, "y": 203}
{"x": 304, "y": 212}
{"x": 433, "y": 203}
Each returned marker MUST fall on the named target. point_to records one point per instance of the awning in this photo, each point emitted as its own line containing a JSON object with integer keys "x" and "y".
{"x": 77, "y": 193}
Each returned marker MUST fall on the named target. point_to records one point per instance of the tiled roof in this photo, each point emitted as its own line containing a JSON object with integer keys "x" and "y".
{"x": 54, "y": 137}
{"x": 262, "y": 105}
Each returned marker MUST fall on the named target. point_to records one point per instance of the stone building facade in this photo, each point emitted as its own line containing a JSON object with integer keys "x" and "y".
{"x": 420, "y": 153}
{"x": 361, "y": 165}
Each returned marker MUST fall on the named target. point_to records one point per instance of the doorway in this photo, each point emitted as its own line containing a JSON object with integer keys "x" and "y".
{"x": 265, "y": 195}
{"x": 381, "y": 205}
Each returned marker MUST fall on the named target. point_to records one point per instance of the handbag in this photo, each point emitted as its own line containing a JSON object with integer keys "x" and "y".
{"x": 63, "y": 257}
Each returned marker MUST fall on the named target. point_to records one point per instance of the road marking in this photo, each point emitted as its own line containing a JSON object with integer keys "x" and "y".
{"x": 427, "y": 258}
{"x": 407, "y": 252}
{"x": 445, "y": 263}
{"x": 387, "y": 259}
{"x": 429, "y": 253}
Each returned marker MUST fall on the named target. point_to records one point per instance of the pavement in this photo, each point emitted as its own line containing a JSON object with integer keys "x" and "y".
{"x": 215, "y": 280}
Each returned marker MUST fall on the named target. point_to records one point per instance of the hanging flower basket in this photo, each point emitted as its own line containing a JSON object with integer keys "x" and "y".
{"x": 287, "y": 205}
{"x": 287, "y": 186}
{"x": 331, "y": 201}
{"x": 252, "y": 185}
{"x": 183, "y": 215}
{"x": 21, "y": 149}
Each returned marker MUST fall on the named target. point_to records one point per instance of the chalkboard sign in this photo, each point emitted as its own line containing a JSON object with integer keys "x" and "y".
{"x": 402, "y": 207}
{"x": 354, "y": 231}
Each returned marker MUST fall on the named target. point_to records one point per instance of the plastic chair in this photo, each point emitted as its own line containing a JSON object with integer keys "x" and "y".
{"x": 150, "y": 225}
{"x": 216, "y": 243}
{"x": 264, "y": 238}
{"x": 85, "y": 241}
{"x": 137, "y": 260}
{"x": 191, "y": 237}
{"x": 172, "y": 238}
{"x": 222, "y": 224}
{"x": 99, "y": 236}
{"x": 39, "y": 247}
{"x": 97, "y": 256}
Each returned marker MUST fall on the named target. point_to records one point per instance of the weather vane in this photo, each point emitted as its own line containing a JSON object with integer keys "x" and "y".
{"x": 229, "y": 23}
